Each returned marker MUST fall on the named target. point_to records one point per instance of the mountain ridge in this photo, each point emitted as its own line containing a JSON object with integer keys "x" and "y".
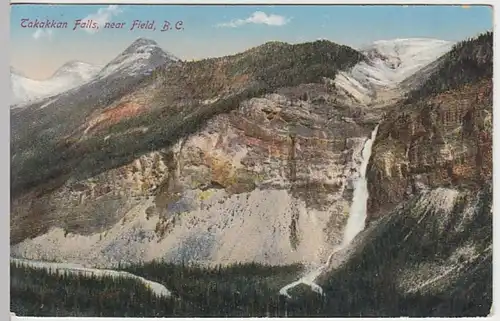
{"x": 449, "y": 117}
{"x": 183, "y": 162}
{"x": 233, "y": 79}
{"x": 152, "y": 119}
{"x": 134, "y": 58}
{"x": 389, "y": 63}
{"x": 176, "y": 78}
{"x": 199, "y": 95}
{"x": 70, "y": 75}
{"x": 73, "y": 66}
{"x": 467, "y": 61}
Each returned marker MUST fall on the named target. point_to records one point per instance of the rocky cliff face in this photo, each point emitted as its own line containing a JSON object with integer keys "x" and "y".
{"x": 429, "y": 257}
{"x": 256, "y": 164}
{"x": 243, "y": 158}
{"x": 253, "y": 158}
{"x": 275, "y": 174}
{"x": 443, "y": 141}
{"x": 441, "y": 136}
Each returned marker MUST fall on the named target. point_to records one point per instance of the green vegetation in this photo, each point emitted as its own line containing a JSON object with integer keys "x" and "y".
{"x": 237, "y": 290}
{"x": 405, "y": 244}
{"x": 278, "y": 64}
{"x": 468, "y": 61}
{"x": 39, "y": 293}
{"x": 176, "y": 113}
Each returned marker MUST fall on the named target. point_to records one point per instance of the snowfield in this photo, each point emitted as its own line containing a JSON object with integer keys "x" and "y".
{"x": 141, "y": 57}
{"x": 217, "y": 236}
{"x": 389, "y": 63}
{"x": 70, "y": 75}
{"x": 136, "y": 58}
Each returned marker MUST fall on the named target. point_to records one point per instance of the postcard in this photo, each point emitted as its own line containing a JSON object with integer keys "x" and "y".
{"x": 251, "y": 160}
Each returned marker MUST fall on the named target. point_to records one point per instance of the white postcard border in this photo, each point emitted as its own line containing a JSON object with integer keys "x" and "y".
{"x": 5, "y": 129}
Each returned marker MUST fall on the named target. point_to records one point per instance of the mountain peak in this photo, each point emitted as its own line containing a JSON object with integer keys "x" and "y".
{"x": 144, "y": 42}
{"x": 78, "y": 69}
{"x": 139, "y": 44}
{"x": 70, "y": 75}
{"x": 139, "y": 57}
{"x": 72, "y": 63}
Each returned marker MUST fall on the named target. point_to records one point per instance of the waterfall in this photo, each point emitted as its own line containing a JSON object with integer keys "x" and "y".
{"x": 357, "y": 212}
{"x": 355, "y": 222}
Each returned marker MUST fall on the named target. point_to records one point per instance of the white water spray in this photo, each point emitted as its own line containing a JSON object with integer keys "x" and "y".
{"x": 357, "y": 212}
{"x": 355, "y": 222}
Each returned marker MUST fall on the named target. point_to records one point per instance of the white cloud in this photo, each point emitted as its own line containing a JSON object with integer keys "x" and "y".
{"x": 102, "y": 16}
{"x": 258, "y": 17}
{"x": 43, "y": 33}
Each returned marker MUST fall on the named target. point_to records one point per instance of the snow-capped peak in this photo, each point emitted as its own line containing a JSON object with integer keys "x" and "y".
{"x": 78, "y": 68}
{"x": 140, "y": 43}
{"x": 389, "y": 63}
{"x": 392, "y": 61}
{"x": 141, "y": 56}
{"x": 70, "y": 75}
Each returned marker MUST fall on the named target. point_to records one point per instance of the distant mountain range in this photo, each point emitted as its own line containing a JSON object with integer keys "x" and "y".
{"x": 141, "y": 56}
{"x": 388, "y": 63}
{"x": 70, "y": 75}
{"x": 266, "y": 156}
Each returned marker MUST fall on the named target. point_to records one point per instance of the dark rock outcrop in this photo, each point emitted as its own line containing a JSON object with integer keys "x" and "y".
{"x": 444, "y": 141}
{"x": 430, "y": 257}
{"x": 441, "y": 136}
{"x": 241, "y": 128}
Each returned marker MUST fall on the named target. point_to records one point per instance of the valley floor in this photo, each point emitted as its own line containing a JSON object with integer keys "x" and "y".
{"x": 237, "y": 290}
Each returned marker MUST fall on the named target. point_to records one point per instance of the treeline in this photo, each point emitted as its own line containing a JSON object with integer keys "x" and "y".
{"x": 235, "y": 290}
{"x": 257, "y": 72}
{"x": 240, "y": 290}
{"x": 467, "y": 62}
{"x": 37, "y": 292}
{"x": 273, "y": 65}
{"x": 279, "y": 65}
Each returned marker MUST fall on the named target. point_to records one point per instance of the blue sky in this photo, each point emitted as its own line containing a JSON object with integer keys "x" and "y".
{"x": 219, "y": 30}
